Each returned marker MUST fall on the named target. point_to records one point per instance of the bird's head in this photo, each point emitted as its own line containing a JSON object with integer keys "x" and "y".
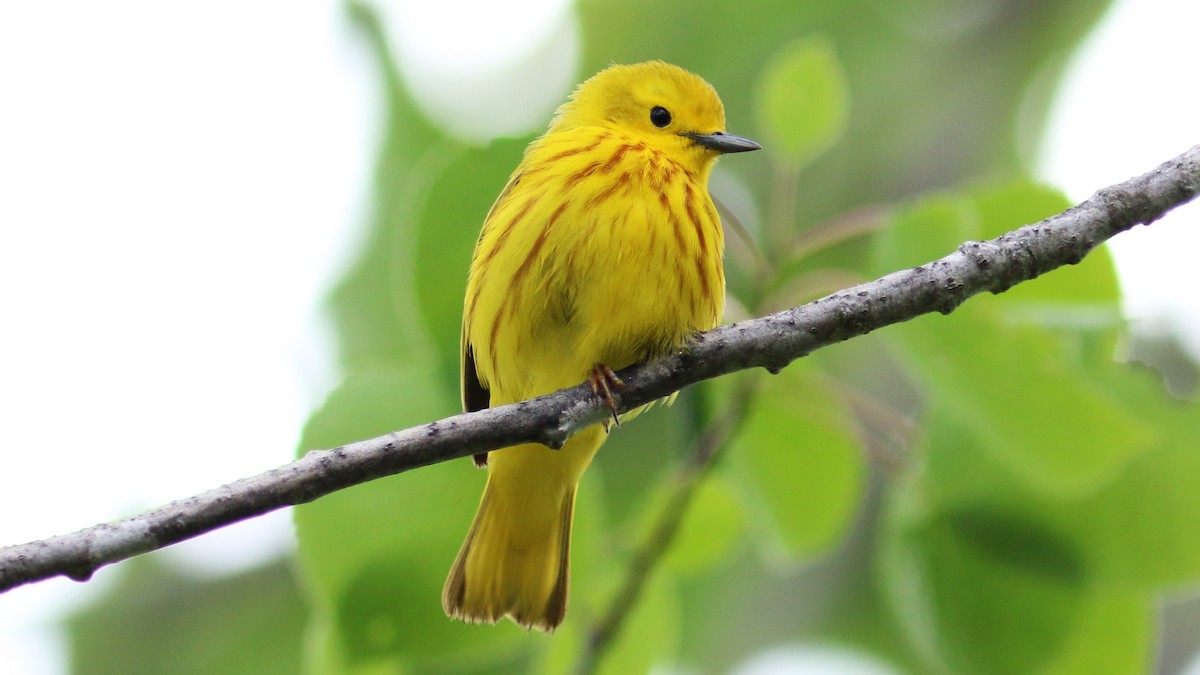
{"x": 664, "y": 106}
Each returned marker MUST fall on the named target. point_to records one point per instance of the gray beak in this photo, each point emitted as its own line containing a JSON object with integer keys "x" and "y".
{"x": 723, "y": 142}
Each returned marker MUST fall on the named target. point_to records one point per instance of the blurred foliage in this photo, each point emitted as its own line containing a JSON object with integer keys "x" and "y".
{"x": 158, "y": 620}
{"x": 802, "y": 102}
{"x": 985, "y": 492}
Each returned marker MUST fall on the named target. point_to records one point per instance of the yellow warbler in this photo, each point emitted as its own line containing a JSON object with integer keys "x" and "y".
{"x": 603, "y": 250}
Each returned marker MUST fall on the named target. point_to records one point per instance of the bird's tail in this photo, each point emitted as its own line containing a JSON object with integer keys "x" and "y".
{"x": 515, "y": 560}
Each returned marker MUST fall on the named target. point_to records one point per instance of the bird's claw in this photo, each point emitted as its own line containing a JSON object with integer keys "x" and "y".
{"x": 603, "y": 381}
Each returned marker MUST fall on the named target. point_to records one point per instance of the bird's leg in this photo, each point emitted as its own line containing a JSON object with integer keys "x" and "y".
{"x": 603, "y": 380}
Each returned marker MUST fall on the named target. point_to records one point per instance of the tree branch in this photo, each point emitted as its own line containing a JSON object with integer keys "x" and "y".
{"x": 770, "y": 342}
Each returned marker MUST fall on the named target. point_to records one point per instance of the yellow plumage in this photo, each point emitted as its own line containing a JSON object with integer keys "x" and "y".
{"x": 603, "y": 250}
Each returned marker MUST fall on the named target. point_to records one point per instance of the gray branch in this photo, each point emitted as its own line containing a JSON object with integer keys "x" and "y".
{"x": 769, "y": 342}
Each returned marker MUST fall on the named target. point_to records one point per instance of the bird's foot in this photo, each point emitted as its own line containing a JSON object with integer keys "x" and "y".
{"x": 603, "y": 381}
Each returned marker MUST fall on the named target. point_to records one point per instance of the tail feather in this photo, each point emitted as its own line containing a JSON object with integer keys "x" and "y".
{"x": 556, "y": 604}
{"x": 516, "y": 557}
{"x": 515, "y": 562}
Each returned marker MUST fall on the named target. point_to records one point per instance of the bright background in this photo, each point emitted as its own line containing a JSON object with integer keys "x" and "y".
{"x": 181, "y": 183}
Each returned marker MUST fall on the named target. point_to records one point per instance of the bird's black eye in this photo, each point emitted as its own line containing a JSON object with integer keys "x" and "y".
{"x": 660, "y": 116}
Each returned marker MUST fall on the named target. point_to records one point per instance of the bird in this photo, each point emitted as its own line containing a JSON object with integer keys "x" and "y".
{"x": 603, "y": 250}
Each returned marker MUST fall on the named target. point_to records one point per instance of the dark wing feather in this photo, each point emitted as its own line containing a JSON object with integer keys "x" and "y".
{"x": 475, "y": 396}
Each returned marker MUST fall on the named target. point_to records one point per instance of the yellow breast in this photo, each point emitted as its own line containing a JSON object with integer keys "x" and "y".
{"x": 601, "y": 250}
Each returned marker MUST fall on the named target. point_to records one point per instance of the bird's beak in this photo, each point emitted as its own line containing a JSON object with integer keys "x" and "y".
{"x": 723, "y": 142}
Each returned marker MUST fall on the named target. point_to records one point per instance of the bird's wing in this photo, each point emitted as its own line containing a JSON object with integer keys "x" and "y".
{"x": 475, "y": 396}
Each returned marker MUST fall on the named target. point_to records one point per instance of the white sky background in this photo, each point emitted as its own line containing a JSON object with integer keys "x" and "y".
{"x": 181, "y": 184}
{"x": 1131, "y": 102}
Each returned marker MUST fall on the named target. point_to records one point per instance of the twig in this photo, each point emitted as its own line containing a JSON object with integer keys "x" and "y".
{"x": 770, "y": 342}
{"x": 685, "y": 482}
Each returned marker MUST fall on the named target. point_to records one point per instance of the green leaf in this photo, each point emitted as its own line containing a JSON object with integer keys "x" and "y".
{"x": 803, "y": 101}
{"x": 1026, "y": 398}
{"x": 1005, "y": 584}
{"x": 649, "y": 635}
{"x": 1151, "y": 503}
{"x": 925, "y": 230}
{"x": 1007, "y": 205}
{"x": 1095, "y": 542}
{"x": 981, "y": 589}
{"x": 799, "y": 464}
{"x": 1141, "y": 531}
{"x": 710, "y": 527}
{"x": 562, "y": 654}
{"x": 1115, "y": 633}
{"x": 156, "y": 620}
{"x": 1015, "y": 366}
